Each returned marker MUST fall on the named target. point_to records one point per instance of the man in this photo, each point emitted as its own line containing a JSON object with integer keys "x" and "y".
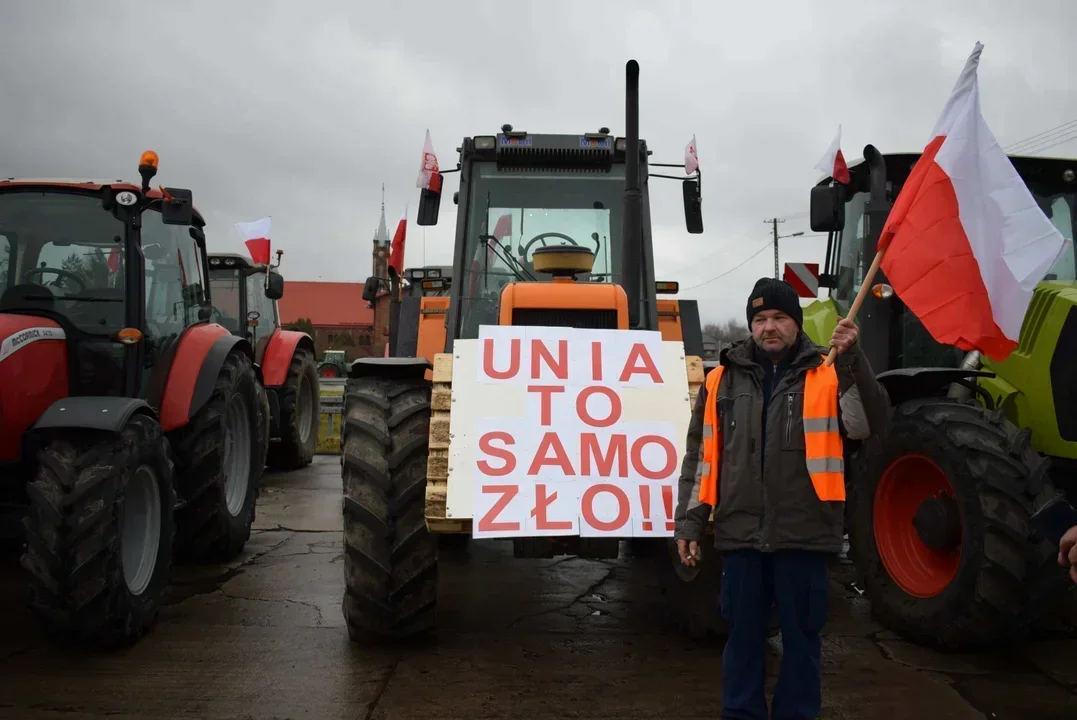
{"x": 765, "y": 450}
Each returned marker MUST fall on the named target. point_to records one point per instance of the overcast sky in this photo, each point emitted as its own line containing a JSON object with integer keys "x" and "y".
{"x": 302, "y": 110}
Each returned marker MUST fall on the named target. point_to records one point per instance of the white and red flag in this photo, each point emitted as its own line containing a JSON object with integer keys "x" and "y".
{"x": 429, "y": 177}
{"x": 833, "y": 162}
{"x": 396, "y": 252}
{"x": 691, "y": 157}
{"x": 966, "y": 243}
{"x": 256, "y": 238}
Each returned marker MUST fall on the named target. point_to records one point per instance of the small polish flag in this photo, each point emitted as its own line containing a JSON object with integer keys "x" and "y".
{"x": 691, "y": 157}
{"x": 833, "y": 162}
{"x": 256, "y": 238}
{"x": 966, "y": 243}
{"x": 429, "y": 177}
{"x": 396, "y": 253}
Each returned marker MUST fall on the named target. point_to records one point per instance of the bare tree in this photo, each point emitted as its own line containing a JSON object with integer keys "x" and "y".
{"x": 727, "y": 332}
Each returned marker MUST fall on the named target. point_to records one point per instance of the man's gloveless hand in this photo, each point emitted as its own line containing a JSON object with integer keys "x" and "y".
{"x": 1067, "y": 552}
{"x": 689, "y": 552}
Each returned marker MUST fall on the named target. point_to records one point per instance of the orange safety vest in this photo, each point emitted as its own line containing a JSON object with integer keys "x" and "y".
{"x": 823, "y": 445}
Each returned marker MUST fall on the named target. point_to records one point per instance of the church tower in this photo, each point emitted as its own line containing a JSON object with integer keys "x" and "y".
{"x": 381, "y": 246}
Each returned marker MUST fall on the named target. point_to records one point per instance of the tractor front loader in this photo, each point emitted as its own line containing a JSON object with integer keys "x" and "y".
{"x": 587, "y": 262}
{"x": 939, "y": 506}
{"x": 131, "y": 428}
{"x": 245, "y": 296}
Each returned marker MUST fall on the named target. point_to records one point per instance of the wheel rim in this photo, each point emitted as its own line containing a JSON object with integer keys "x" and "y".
{"x": 305, "y": 401}
{"x": 237, "y": 454}
{"x": 905, "y": 485}
{"x": 140, "y": 539}
{"x": 329, "y": 372}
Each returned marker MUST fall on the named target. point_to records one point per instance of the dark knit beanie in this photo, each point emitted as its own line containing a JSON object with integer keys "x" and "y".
{"x": 774, "y": 294}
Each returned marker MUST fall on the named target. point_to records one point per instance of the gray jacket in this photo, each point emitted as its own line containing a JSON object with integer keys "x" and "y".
{"x": 766, "y": 498}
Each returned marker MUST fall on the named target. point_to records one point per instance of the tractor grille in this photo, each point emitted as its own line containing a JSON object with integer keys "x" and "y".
{"x": 588, "y": 319}
{"x": 1064, "y": 380}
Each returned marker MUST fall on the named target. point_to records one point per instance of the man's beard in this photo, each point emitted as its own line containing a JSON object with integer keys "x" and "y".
{"x": 775, "y": 355}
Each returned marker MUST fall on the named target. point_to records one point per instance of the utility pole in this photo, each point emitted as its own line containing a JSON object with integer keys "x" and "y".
{"x": 774, "y": 223}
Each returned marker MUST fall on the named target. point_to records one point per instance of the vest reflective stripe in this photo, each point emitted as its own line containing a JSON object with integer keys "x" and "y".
{"x": 823, "y": 446}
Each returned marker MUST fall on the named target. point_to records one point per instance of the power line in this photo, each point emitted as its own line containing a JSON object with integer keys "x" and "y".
{"x": 765, "y": 246}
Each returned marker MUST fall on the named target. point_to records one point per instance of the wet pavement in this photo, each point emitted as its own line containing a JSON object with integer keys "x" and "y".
{"x": 263, "y": 637}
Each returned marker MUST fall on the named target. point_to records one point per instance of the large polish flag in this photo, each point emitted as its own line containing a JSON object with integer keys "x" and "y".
{"x": 256, "y": 238}
{"x": 833, "y": 162}
{"x": 965, "y": 243}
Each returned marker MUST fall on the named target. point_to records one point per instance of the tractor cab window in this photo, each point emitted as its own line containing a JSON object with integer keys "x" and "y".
{"x": 174, "y": 282}
{"x": 849, "y": 263}
{"x": 1062, "y": 209}
{"x": 512, "y": 213}
{"x": 224, "y": 290}
{"x": 261, "y": 311}
{"x": 61, "y": 252}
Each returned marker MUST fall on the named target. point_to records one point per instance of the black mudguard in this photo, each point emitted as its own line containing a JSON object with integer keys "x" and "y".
{"x": 394, "y": 367}
{"x": 211, "y": 368}
{"x": 909, "y": 383}
{"x": 92, "y": 413}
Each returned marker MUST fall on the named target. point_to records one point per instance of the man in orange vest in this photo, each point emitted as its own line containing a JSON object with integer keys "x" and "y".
{"x": 765, "y": 451}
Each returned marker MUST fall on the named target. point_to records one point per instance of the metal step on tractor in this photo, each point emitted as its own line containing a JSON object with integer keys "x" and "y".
{"x": 939, "y": 506}
{"x": 553, "y": 235}
{"x": 132, "y": 430}
{"x": 245, "y": 296}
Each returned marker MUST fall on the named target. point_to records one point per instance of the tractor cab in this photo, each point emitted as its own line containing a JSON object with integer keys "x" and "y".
{"x": 245, "y": 296}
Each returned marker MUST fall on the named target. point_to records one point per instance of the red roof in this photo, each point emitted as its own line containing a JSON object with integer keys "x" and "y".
{"x": 325, "y": 303}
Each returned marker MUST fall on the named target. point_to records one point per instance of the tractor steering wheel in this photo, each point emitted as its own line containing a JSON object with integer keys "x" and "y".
{"x": 64, "y": 273}
{"x": 542, "y": 236}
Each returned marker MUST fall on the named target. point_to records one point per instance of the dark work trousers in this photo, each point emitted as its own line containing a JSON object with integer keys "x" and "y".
{"x": 751, "y": 582}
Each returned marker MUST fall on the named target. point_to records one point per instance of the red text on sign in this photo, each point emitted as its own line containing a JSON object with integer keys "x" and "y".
{"x": 638, "y": 361}
{"x": 551, "y": 452}
{"x": 488, "y": 522}
{"x": 587, "y": 507}
{"x": 543, "y": 500}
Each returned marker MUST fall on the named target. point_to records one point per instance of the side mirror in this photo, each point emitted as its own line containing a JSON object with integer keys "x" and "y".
{"x": 827, "y": 208}
{"x": 180, "y": 209}
{"x": 693, "y": 206}
{"x": 205, "y": 312}
{"x": 370, "y": 288}
{"x": 275, "y": 289}
{"x": 430, "y": 204}
{"x": 198, "y": 235}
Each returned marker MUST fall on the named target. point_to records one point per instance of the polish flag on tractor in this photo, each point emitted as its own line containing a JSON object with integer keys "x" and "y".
{"x": 691, "y": 157}
{"x": 396, "y": 252}
{"x": 429, "y": 179}
{"x": 966, "y": 244}
{"x": 256, "y": 238}
{"x": 833, "y": 162}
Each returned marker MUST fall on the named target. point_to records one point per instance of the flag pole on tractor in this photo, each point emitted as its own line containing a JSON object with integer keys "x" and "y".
{"x": 965, "y": 244}
{"x": 396, "y": 269}
{"x": 256, "y": 238}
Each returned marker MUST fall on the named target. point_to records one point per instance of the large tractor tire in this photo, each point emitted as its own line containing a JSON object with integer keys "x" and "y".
{"x": 390, "y": 558}
{"x": 300, "y": 408}
{"x": 220, "y": 458}
{"x": 329, "y": 370}
{"x": 939, "y": 526}
{"x": 99, "y": 533}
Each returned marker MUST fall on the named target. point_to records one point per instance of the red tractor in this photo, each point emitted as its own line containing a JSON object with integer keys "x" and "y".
{"x": 245, "y": 298}
{"x": 131, "y": 428}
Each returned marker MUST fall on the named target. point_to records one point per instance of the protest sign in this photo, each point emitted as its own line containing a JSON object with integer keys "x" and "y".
{"x": 564, "y": 431}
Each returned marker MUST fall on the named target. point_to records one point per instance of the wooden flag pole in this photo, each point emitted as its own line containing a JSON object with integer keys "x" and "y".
{"x": 864, "y": 287}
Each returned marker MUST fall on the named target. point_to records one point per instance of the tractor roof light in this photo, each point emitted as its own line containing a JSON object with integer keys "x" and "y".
{"x": 1068, "y": 175}
{"x": 149, "y": 159}
{"x": 484, "y": 142}
{"x": 882, "y": 291}
{"x": 667, "y": 287}
{"x": 433, "y": 273}
{"x": 433, "y": 284}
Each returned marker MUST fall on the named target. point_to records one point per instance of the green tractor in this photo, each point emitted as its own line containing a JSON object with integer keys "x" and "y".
{"x": 938, "y": 506}
{"x": 333, "y": 364}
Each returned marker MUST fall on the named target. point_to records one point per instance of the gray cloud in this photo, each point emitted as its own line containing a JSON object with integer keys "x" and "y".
{"x": 302, "y": 111}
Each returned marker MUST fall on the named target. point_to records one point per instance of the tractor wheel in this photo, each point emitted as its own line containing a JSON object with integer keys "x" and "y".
{"x": 327, "y": 370}
{"x": 940, "y": 532}
{"x": 220, "y": 457}
{"x": 300, "y": 408}
{"x": 390, "y": 558}
{"x": 99, "y": 533}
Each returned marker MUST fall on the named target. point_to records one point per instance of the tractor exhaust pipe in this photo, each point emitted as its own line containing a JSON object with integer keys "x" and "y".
{"x": 632, "y": 223}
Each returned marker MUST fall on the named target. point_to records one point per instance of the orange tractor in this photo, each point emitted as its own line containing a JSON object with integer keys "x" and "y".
{"x": 245, "y": 298}
{"x": 130, "y": 426}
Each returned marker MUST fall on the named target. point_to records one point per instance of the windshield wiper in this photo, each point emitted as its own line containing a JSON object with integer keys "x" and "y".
{"x": 521, "y": 272}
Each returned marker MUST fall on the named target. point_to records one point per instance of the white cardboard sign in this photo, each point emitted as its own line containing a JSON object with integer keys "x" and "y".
{"x": 563, "y": 431}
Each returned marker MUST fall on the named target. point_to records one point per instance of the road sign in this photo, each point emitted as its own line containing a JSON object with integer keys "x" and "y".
{"x": 804, "y": 277}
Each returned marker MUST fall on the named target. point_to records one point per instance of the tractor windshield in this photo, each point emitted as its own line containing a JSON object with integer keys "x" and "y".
{"x": 62, "y": 252}
{"x": 514, "y": 212}
{"x": 225, "y": 286}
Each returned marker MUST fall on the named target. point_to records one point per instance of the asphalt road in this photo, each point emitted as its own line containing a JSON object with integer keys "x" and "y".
{"x": 264, "y": 638}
